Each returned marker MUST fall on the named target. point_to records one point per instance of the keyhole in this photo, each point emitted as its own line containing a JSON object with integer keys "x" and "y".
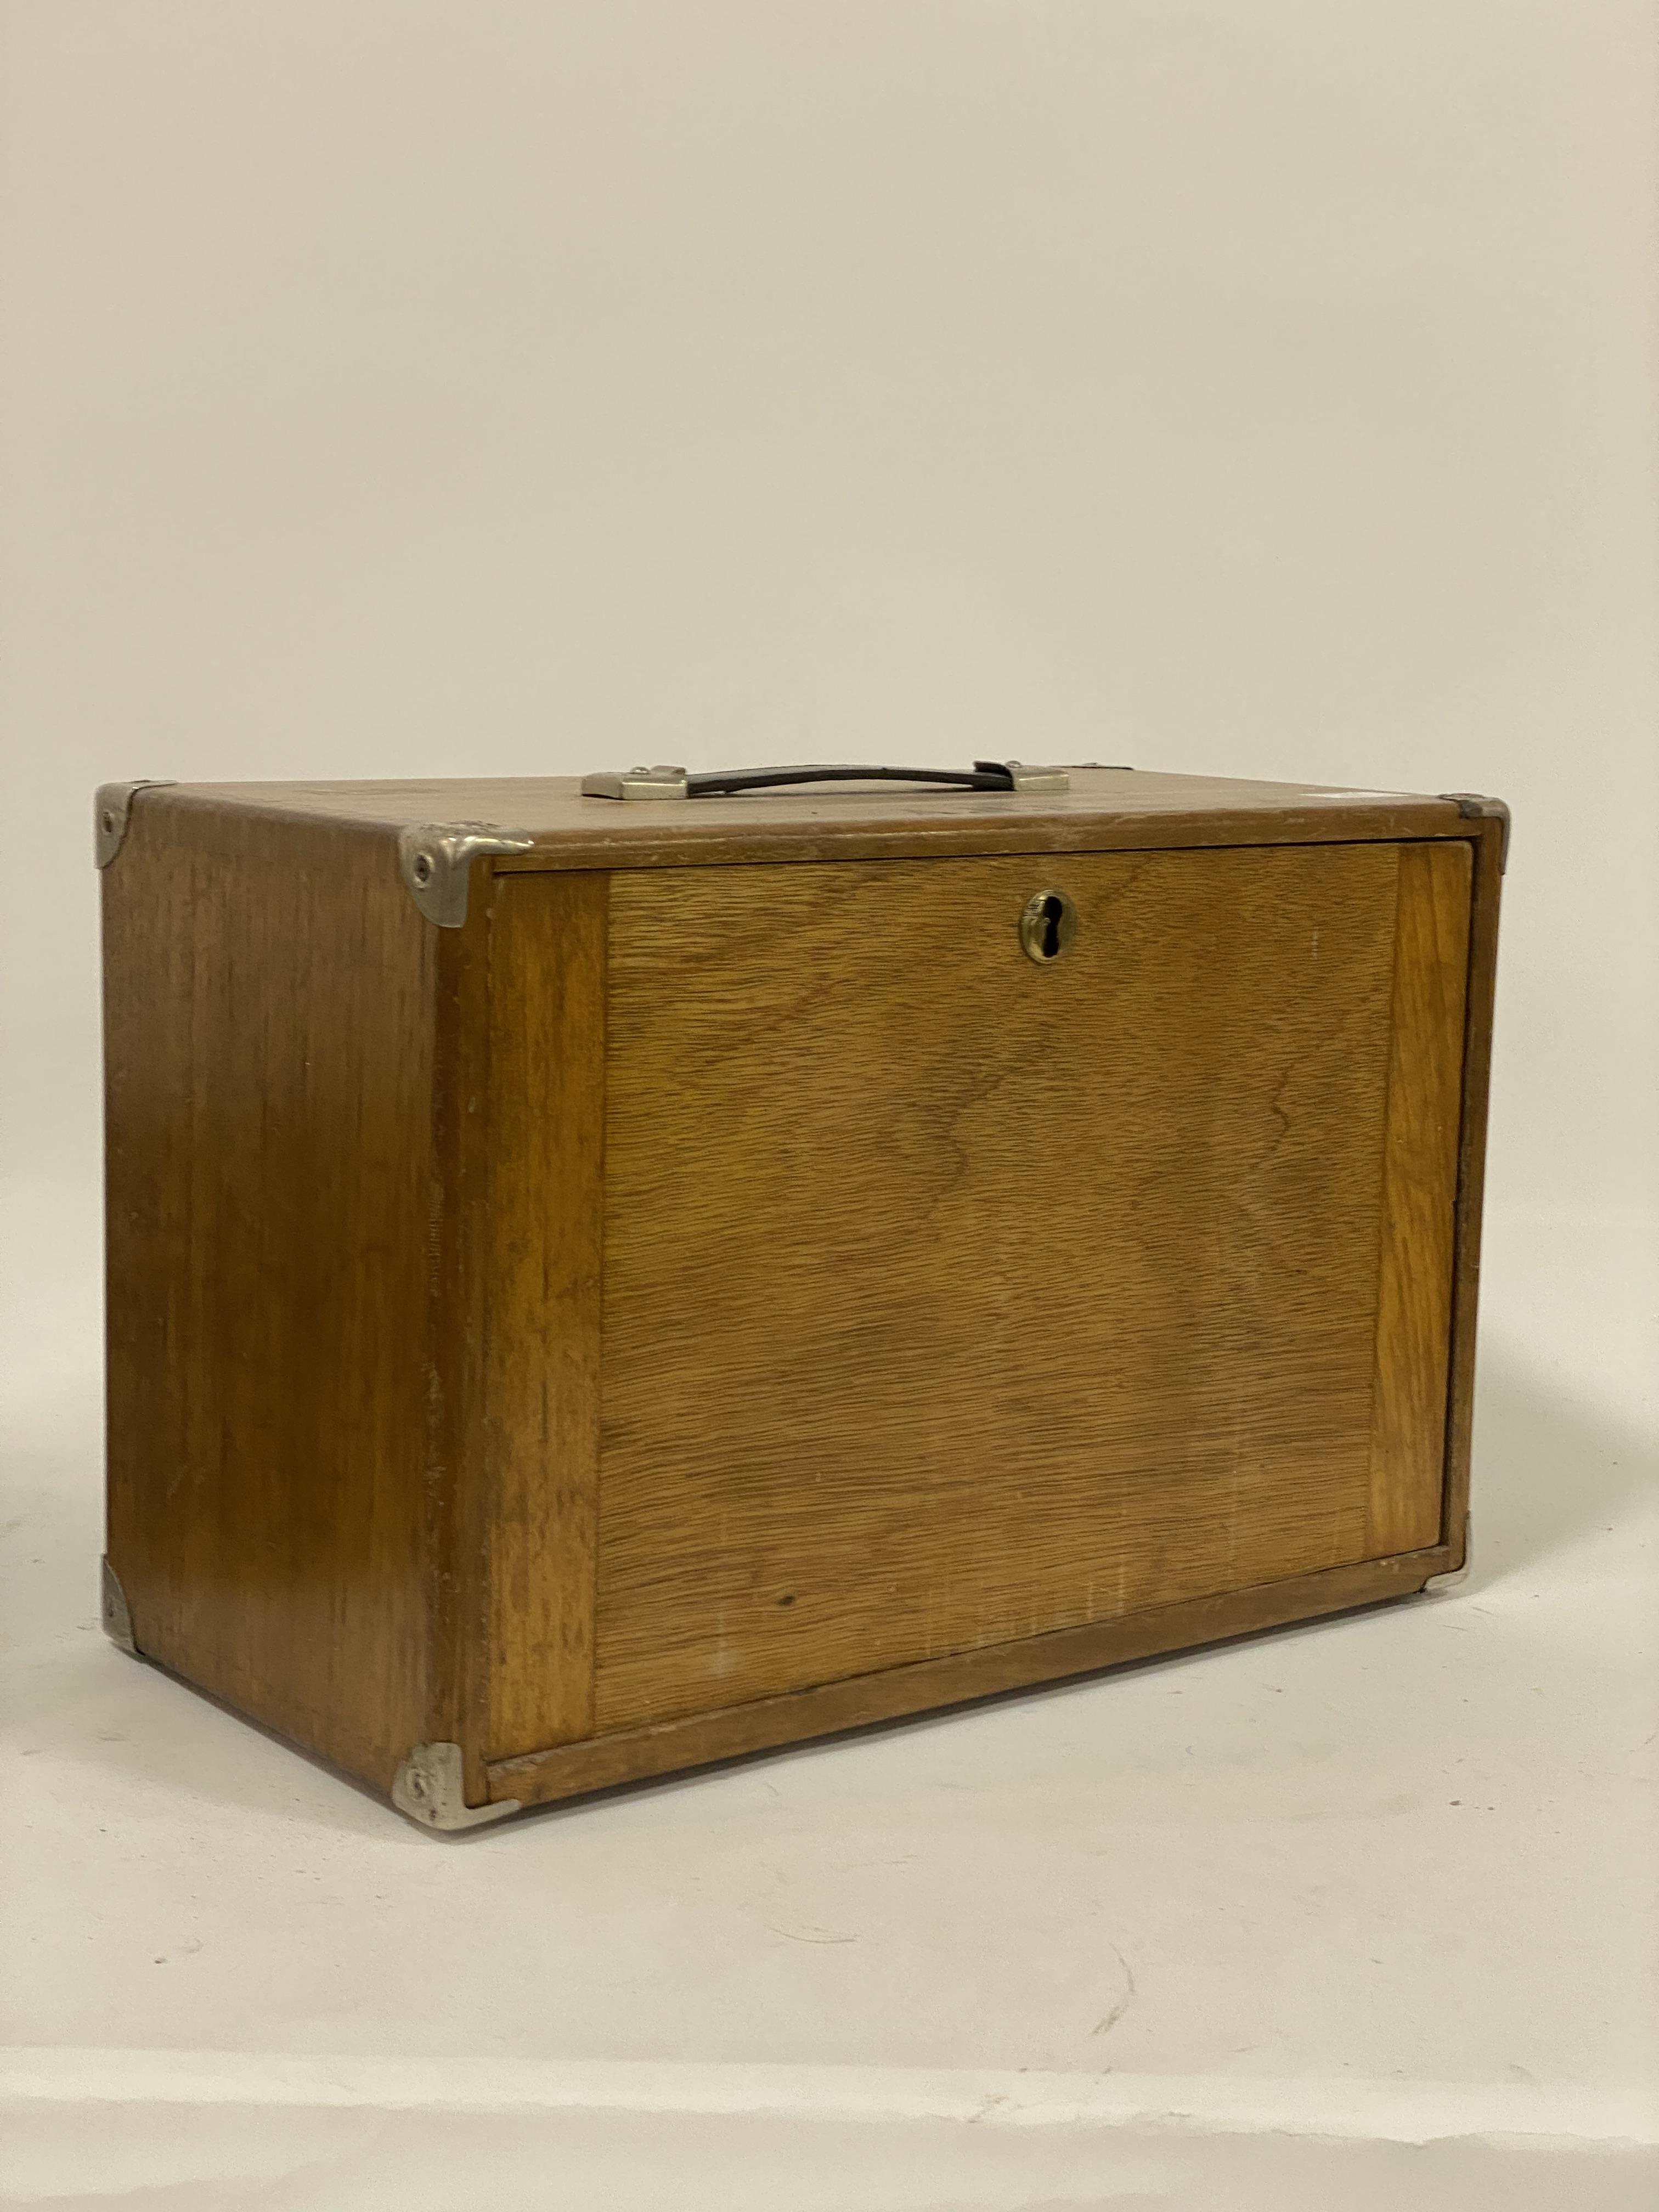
{"x": 1047, "y": 926}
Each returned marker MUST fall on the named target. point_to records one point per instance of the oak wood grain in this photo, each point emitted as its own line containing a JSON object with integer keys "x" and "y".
{"x": 547, "y": 940}
{"x": 663, "y": 1747}
{"x": 1419, "y": 1192}
{"x": 268, "y": 1057}
{"x": 950, "y": 1299}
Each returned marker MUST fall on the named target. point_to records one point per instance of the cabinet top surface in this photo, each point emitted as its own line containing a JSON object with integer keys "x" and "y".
{"x": 1102, "y": 806}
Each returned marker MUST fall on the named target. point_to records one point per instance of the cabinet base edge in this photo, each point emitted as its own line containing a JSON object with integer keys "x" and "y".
{"x": 572, "y": 1770}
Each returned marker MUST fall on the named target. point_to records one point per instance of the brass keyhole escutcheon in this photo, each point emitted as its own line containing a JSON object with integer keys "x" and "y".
{"x": 1047, "y": 925}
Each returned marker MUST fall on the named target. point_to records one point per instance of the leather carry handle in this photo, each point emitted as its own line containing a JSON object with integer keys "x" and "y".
{"x": 713, "y": 783}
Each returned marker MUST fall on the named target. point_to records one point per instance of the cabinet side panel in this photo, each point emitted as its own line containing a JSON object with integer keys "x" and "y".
{"x": 267, "y": 1008}
{"x": 1419, "y": 1190}
{"x": 547, "y": 973}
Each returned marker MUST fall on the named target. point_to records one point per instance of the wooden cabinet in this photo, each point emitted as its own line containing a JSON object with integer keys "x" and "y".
{"x": 597, "y": 1286}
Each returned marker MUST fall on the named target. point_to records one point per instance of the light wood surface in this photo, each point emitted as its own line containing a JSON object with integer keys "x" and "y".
{"x": 269, "y": 1172}
{"x": 547, "y": 1221}
{"x": 1419, "y": 1191}
{"x": 951, "y": 1299}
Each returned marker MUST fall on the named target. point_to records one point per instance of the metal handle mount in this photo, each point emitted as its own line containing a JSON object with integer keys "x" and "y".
{"x": 711, "y": 783}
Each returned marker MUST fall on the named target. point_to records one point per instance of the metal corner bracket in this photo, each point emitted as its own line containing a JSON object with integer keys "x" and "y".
{"x": 428, "y": 1786}
{"x": 1453, "y": 1575}
{"x": 1472, "y": 805}
{"x": 111, "y": 810}
{"x": 117, "y": 1615}
{"x": 436, "y": 859}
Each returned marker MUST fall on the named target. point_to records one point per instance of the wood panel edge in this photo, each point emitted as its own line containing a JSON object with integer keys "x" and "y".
{"x": 455, "y": 1473}
{"x": 1479, "y": 1005}
{"x": 543, "y": 1371}
{"x": 1429, "y": 1024}
{"x": 686, "y": 843}
{"x": 899, "y": 1693}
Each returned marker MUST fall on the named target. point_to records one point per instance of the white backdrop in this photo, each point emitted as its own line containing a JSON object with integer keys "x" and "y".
{"x": 1265, "y": 387}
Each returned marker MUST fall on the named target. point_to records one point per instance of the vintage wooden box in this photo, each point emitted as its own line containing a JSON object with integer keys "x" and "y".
{"x": 601, "y": 1277}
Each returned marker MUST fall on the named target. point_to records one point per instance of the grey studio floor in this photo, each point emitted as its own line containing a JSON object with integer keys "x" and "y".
{"x": 1360, "y": 1913}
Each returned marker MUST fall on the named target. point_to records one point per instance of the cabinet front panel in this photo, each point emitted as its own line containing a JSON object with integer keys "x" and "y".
{"x": 951, "y": 1296}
